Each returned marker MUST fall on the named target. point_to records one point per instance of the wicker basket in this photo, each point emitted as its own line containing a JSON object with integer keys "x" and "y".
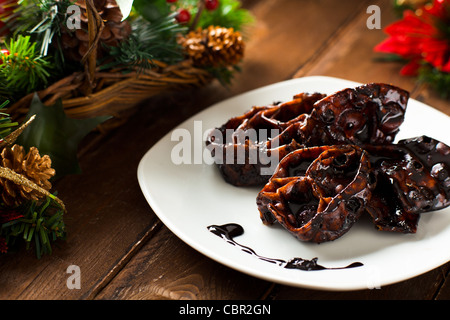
{"x": 92, "y": 93}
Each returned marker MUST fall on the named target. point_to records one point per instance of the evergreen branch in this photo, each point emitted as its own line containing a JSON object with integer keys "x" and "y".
{"x": 148, "y": 42}
{"x": 42, "y": 223}
{"x": 5, "y": 121}
{"x": 43, "y": 20}
{"x": 38, "y": 16}
{"x": 23, "y": 69}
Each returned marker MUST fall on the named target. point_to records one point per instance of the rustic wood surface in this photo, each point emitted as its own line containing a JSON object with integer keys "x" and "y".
{"x": 124, "y": 252}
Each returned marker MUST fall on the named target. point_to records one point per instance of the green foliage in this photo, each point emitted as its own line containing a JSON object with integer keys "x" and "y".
{"x": 48, "y": 30}
{"x": 438, "y": 80}
{"x": 56, "y": 135}
{"x": 152, "y": 10}
{"x": 41, "y": 224}
{"x": 228, "y": 14}
{"x": 156, "y": 32}
{"x": 23, "y": 70}
{"x": 38, "y": 23}
{"x": 5, "y": 121}
{"x": 41, "y": 19}
{"x": 149, "y": 41}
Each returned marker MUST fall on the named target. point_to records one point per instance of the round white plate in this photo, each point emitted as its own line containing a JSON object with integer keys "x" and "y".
{"x": 191, "y": 196}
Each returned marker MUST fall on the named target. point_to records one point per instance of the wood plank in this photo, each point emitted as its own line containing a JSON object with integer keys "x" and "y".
{"x": 350, "y": 53}
{"x": 281, "y": 41}
{"x": 444, "y": 291}
{"x": 286, "y": 35}
{"x": 189, "y": 276}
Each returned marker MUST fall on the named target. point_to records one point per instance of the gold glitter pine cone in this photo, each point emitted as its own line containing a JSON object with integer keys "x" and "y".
{"x": 32, "y": 166}
{"x": 214, "y": 46}
{"x": 76, "y": 43}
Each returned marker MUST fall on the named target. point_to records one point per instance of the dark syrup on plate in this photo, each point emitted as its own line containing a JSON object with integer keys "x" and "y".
{"x": 231, "y": 230}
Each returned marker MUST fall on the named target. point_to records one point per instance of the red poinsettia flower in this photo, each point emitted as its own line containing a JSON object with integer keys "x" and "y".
{"x": 421, "y": 36}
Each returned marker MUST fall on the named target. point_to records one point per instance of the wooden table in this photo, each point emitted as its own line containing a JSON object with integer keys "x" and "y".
{"x": 121, "y": 247}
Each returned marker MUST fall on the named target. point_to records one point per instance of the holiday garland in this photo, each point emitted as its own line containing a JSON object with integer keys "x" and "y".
{"x": 422, "y": 40}
{"x": 37, "y": 37}
{"x": 39, "y": 49}
{"x": 29, "y": 213}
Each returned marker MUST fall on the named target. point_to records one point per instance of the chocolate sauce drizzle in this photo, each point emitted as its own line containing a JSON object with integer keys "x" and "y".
{"x": 231, "y": 230}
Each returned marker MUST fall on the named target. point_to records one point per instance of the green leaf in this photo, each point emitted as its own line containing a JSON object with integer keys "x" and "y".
{"x": 152, "y": 10}
{"x": 228, "y": 14}
{"x": 56, "y": 135}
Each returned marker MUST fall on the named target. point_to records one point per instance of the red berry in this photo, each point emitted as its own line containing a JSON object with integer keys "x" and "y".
{"x": 171, "y": 1}
{"x": 183, "y": 16}
{"x": 211, "y": 4}
{"x": 3, "y": 52}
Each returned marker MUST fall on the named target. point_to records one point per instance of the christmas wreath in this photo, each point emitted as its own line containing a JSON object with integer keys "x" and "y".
{"x": 422, "y": 40}
{"x": 67, "y": 67}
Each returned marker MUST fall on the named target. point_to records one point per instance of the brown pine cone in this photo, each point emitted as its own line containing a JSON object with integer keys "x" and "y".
{"x": 32, "y": 166}
{"x": 214, "y": 46}
{"x": 76, "y": 43}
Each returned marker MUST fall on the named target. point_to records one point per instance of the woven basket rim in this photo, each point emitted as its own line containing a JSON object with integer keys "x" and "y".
{"x": 135, "y": 86}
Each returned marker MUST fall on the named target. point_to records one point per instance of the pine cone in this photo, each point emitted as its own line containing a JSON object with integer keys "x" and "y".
{"x": 75, "y": 44}
{"x": 214, "y": 46}
{"x": 32, "y": 166}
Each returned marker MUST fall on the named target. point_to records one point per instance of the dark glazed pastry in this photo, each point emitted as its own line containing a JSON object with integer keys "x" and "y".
{"x": 412, "y": 178}
{"x": 371, "y": 113}
{"x": 318, "y": 193}
{"x": 242, "y": 146}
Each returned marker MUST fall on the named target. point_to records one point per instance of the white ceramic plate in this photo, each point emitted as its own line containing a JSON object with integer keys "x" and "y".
{"x": 190, "y": 197}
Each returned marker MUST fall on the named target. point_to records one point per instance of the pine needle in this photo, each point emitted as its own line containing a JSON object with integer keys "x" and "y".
{"x": 24, "y": 69}
{"x": 42, "y": 223}
{"x": 148, "y": 42}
